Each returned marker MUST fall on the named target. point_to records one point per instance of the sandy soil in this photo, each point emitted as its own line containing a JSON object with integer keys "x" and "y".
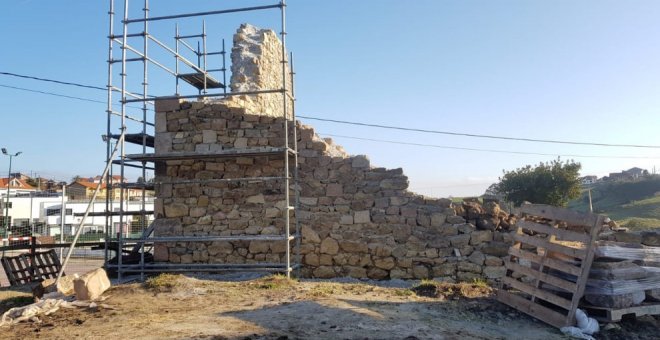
{"x": 178, "y": 307}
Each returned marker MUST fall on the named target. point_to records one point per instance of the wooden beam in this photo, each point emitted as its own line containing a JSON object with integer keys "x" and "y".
{"x": 545, "y": 244}
{"x": 547, "y": 278}
{"x": 561, "y": 233}
{"x": 537, "y": 292}
{"x": 556, "y": 213}
{"x": 552, "y": 263}
{"x": 544, "y": 314}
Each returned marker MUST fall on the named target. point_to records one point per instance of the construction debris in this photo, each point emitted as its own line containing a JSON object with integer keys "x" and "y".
{"x": 91, "y": 285}
{"x": 88, "y": 289}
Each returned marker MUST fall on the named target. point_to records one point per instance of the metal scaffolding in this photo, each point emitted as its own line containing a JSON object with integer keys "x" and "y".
{"x": 197, "y": 75}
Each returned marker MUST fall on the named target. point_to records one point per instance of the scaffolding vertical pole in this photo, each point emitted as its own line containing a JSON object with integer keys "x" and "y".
{"x": 224, "y": 68}
{"x": 176, "y": 57}
{"x": 145, "y": 91}
{"x": 295, "y": 162}
{"x": 108, "y": 219}
{"x": 287, "y": 182}
{"x": 204, "y": 51}
{"x": 122, "y": 156}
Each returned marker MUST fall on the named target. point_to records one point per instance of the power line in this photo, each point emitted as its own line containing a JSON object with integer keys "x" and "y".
{"x": 348, "y": 122}
{"x": 53, "y": 94}
{"x": 483, "y": 150}
{"x": 53, "y": 81}
{"x": 63, "y": 95}
{"x": 477, "y": 135}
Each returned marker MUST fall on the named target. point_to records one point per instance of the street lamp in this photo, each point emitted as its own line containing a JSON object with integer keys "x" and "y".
{"x": 4, "y": 152}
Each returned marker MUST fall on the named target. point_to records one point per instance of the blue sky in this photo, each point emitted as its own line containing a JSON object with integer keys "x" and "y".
{"x": 566, "y": 70}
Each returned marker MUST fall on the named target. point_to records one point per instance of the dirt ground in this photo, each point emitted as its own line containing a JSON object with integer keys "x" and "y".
{"x": 179, "y": 307}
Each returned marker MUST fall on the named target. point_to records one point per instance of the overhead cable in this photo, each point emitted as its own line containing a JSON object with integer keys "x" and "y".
{"x": 483, "y": 150}
{"x": 477, "y": 135}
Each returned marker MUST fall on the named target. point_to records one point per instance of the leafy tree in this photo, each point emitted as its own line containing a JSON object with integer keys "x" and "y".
{"x": 553, "y": 183}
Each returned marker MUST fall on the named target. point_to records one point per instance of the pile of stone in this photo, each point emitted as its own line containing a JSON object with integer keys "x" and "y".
{"x": 489, "y": 216}
{"x": 626, "y": 271}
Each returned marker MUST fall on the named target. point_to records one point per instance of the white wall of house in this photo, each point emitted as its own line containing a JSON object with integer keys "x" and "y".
{"x": 48, "y": 210}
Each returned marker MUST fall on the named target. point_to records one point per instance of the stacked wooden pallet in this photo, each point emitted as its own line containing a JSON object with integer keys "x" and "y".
{"x": 550, "y": 262}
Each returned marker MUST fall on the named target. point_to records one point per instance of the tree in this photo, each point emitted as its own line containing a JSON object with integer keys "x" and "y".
{"x": 553, "y": 183}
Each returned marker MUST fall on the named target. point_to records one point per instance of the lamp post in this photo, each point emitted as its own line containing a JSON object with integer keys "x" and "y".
{"x": 4, "y": 152}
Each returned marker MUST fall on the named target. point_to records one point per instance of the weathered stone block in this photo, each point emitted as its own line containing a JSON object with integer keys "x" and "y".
{"x": 458, "y": 241}
{"x": 91, "y": 285}
{"x": 384, "y": 263}
{"x": 329, "y": 246}
{"x": 494, "y": 272}
{"x": 309, "y": 235}
{"x": 480, "y": 236}
{"x": 362, "y": 217}
{"x": 353, "y": 247}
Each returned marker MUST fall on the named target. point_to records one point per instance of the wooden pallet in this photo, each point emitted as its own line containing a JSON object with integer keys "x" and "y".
{"x": 613, "y": 315}
{"x": 538, "y": 255}
{"x": 26, "y": 268}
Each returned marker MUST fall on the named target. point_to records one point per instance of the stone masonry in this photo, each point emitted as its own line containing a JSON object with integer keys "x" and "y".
{"x": 356, "y": 219}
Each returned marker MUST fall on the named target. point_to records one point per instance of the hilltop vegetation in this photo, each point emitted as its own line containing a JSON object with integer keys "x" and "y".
{"x": 633, "y": 204}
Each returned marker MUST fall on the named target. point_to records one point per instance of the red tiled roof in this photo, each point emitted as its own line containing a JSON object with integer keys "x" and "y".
{"x": 21, "y": 184}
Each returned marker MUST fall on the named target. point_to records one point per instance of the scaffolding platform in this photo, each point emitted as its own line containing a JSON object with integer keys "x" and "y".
{"x": 197, "y": 81}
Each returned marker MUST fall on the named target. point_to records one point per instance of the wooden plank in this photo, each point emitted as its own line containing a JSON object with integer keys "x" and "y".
{"x": 545, "y": 244}
{"x": 547, "y": 278}
{"x": 564, "y": 234}
{"x": 586, "y": 266}
{"x": 555, "y": 213}
{"x": 544, "y": 314}
{"x": 537, "y": 292}
{"x": 614, "y": 315}
{"x": 552, "y": 263}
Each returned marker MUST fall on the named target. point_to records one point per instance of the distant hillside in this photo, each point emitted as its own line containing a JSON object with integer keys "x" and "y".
{"x": 633, "y": 204}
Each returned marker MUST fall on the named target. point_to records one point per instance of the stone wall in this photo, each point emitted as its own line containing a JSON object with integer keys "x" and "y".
{"x": 356, "y": 219}
{"x": 257, "y": 65}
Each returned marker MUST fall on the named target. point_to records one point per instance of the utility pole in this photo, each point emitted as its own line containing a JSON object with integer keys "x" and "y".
{"x": 591, "y": 207}
{"x": 4, "y": 152}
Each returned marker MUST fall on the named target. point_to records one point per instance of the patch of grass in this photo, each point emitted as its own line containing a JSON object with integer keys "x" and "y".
{"x": 403, "y": 292}
{"x": 322, "y": 290}
{"x": 428, "y": 288}
{"x": 480, "y": 283}
{"x": 277, "y": 281}
{"x": 163, "y": 283}
{"x": 636, "y": 223}
{"x": 431, "y": 288}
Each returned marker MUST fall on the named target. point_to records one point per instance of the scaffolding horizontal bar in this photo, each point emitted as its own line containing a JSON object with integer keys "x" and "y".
{"x": 144, "y": 185}
{"x": 129, "y": 164}
{"x": 131, "y": 118}
{"x": 220, "y": 180}
{"x": 210, "y": 238}
{"x": 137, "y": 100}
{"x": 117, "y": 213}
{"x": 137, "y": 138}
{"x": 229, "y": 153}
{"x": 215, "y": 53}
{"x": 113, "y": 61}
{"x": 197, "y": 14}
{"x": 132, "y": 35}
{"x": 198, "y": 266}
{"x": 189, "y": 36}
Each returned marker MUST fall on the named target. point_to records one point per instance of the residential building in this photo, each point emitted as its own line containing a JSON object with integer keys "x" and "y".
{"x": 16, "y": 185}
{"x": 586, "y": 180}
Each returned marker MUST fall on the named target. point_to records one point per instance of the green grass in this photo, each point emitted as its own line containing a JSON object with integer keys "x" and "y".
{"x": 633, "y": 204}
